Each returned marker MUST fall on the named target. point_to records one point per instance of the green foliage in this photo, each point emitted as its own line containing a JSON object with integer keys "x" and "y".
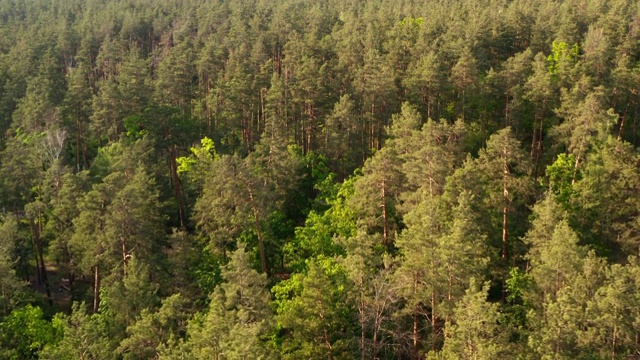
{"x": 238, "y": 317}
{"x": 517, "y": 305}
{"x": 561, "y": 52}
{"x": 24, "y": 332}
{"x": 370, "y": 157}
{"x": 134, "y": 126}
{"x": 317, "y": 236}
{"x": 152, "y": 330}
{"x": 83, "y": 335}
{"x": 561, "y": 176}
{"x": 201, "y": 157}
{"x": 312, "y": 311}
{"x": 475, "y": 335}
{"x": 412, "y": 22}
{"x": 12, "y": 290}
{"x": 516, "y": 285}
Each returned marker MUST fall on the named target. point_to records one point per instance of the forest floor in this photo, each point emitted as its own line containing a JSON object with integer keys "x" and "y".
{"x": 58, "y": 285}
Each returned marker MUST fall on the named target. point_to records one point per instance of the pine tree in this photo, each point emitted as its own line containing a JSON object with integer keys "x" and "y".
{"x": 464, "y": 76}
{"x": 83, "y": 336}
{"x": 436, "y": 152}
{"x": 425, "y": 81}
{"x": 587, "y": 122}
{"x": 134, "y": 84}
{"x": 342, "y": 144}
{"x": 175, "y": 84}
{"x": 377, "y": 194}
{"x": 559, "y": 326}
{"x": 557, "y": 260}
{"x": 404, "y": 129}
{"x": 12, "y": 290}
{"x": 122, "y": 299}
{"x": 499, "y": 178}
{"x": 148, "y": 336}
{"x": 441, "y": 250}
{"x": 238, "y": 317}
{"x": 313, "y": 311}
{"x": 77, "y": 112}
{"x": 474, "y": 333}
{"x": 612, "y": 314}
{"x": 540, "y": 90}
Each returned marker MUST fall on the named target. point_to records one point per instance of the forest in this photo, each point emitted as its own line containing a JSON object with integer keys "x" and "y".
{"x": 328, "y": 179}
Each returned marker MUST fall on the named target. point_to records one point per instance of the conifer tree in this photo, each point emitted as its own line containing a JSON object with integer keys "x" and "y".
{"x": 238, "y": 316}
{"x": 474, "y": 332}
{"x": 148, "y": 336}
{"x": 377, "y": 194}
{"x": 83, "y": 336}
{"x": 12, "y": 290}
{"x": 312, "y": 308}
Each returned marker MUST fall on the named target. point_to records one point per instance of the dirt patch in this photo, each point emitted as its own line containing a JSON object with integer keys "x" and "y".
{"x": 59, "y": 287}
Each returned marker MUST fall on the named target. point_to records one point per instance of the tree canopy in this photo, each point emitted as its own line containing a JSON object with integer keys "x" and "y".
{"x": 319, "y": 179}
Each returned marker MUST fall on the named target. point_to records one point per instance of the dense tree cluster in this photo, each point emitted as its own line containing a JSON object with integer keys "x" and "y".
{"x": 325, "y": 179}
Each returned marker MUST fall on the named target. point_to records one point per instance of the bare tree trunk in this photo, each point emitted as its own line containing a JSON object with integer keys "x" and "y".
{"x": 385, "y": 216}
{"x": 429, "y": 106}
{"x": 375, "y": 341}
{"x": 256, "y": 217}
{"x": 433, "y": 320}
{"x": 263, "y": 256}
{"x": 534, "y": 137}
{"x": 96, "y": 289}
{"x": 505, "y": 211}
{"x": 35, "y": 257}
{"x": 506, "y": 110}
{"x": 362, "y": 319}
{"x": 124, "y": 256}
{"x": 78, "y": 145}
{"x": 622, "y": 119}
{"x": 576, "y": 165}
{"x": 415, "y": 318}
{"x": 325, "y": 333}
{"x": 37, "y": 243}
{"x": 614, "y": 342}
{"x": 44, "y": 272}
{"x": 175, "y": 179}
{"x": 539, "y": 143}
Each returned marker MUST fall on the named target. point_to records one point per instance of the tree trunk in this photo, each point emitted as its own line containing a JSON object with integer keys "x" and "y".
{"x": 534, "y": 137}
{"x": 362, "y": 318}
{"x": 35, "y": 258}
{"x": 539, "y": 143}
{"x": 622, "y": 118}
{"x": 506, "y": 110}
{"x": 37, "y": 243}
{"x": 375, "y": 341}
{"x": 78, "y": 145}
{"x": 256, "y": 217}
{"x": 125, "y": 255}
{"x": 325, "y": 333}
{"x": 385, "y": 216}
{"x": 428, "y": 101}
{"x": 44, "y": 272}
{"x": 263, "y": 256}
{"x": 433, "y": 320}
{"x": 175, "y": 179}
{"x": 96, "y": 289}
{"x": 415, "y": 319}
{"x": 505, "y": 211}
{"x": 576, "y": 165}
